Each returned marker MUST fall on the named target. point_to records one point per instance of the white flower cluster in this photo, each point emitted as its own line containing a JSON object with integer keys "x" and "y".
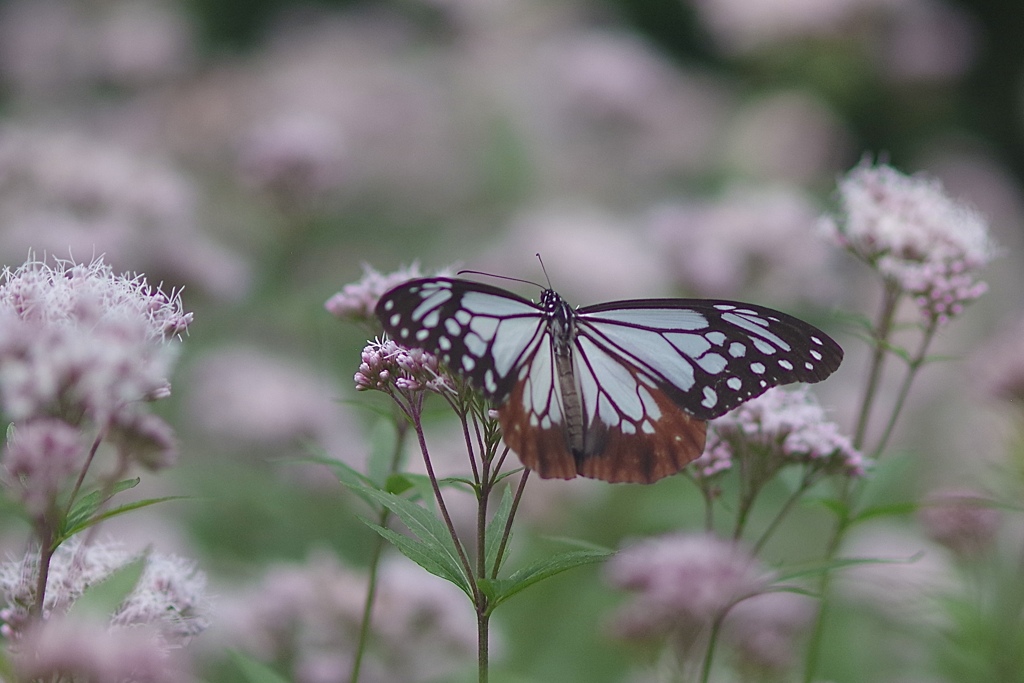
{"x": 82, "y": 344}
{"x": 169, "y": 595}
{"x": 912, "y": 232}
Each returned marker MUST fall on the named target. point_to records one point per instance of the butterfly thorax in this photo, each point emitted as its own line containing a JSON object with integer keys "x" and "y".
{"x": 561, "y": 319}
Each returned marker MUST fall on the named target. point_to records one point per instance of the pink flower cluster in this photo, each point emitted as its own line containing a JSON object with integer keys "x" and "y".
{"x": 357, "y": 300}
{"x": 386, "y": 365}
{"x": 911, "y": 232}
{"x": 681, "y": 584}
{"x": 961, "y": 519}
{"x": 309, "y": 615}
{"x": 784, "y": 426}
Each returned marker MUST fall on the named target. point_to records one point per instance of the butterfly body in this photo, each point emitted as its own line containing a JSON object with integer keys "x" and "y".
{"x": 619, "y": 391}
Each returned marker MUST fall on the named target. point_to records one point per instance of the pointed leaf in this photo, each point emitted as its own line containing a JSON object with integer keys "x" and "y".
{"x": 425, "y": 555}
{"x": 543, "y": 569}
{"x": 70, "y": 531}
{"x": 427, "y": 529}
{"x": 88, "y": 504}
{"x": 890, "y": 510}
{"x": 819, "y": 568}
{"x": 352, "y": 479}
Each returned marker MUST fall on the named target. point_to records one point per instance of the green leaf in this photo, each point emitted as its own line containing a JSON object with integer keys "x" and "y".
{"x": 103, "y": 598}
{"x": 543, "y": 569}
{"x": 505, "y": 475}
{"x": 434, "y": 548}
{"x": 70, "y": 531}
{"x": 425, "y": 555}
{"x": 254, "y": 671}
{"x": 398, "y": 483}
{"x": 890, "y": 510}
{"x": 88, "y": 504}
{"x": 825, "y": 566}
{"x": 352, "y": 479}
{"x": 419, "y": 484}
{"x": 495, "y": 530}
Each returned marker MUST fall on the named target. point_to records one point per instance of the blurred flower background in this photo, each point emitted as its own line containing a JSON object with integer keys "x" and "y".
{"x": 258, "y": 154}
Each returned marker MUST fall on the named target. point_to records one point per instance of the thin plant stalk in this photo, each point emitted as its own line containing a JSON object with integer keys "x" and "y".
{"x": 709, "y": 653}
{"x": 848, "y": 493}
{"x": 914, "y": 365}
{"x": 507, "y": 532}
{"x": 880, "y": 341}
{"x": 375, "y": 557}
{"x": 807, "y": 482}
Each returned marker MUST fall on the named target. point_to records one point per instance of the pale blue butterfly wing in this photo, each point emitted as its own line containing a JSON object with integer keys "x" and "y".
{"x": 619, "y": 391}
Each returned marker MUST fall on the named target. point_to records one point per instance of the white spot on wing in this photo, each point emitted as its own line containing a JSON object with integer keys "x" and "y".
{"x": 757, "y": 368}
{"x": 475, "y": 345}
{"x": 430, "y": 303}
{"x": 656, "y": 318}
{"x": 712, "y": 363}
{"x": 710, "y": 398}
{"x": 737, "y": 350}
{"x": 755, "y": 326}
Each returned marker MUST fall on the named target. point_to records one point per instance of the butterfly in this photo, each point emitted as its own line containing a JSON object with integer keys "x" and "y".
{"x": 619, "y": 391}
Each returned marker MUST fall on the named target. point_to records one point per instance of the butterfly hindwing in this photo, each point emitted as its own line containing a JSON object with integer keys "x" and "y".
{"x": 480, "y": 331}
{"x": 533, "y": 422}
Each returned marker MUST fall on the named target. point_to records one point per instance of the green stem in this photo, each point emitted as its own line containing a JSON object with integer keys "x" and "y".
{"x": 46, "y": 550}
{"x": 483, "y": 619}
{"x": 507, "y": 532}
{"x": 880, "y": 342}
{"x": 913, "y": 366}
{"x": 375, "y": 557}
{"x": 807, "y": 482}
{"x": 467, "y": 567}
{"x": 81, "y": 475}
{"x": 709, "y": 654}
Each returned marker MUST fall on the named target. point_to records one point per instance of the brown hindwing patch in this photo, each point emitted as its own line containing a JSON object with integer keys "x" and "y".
{"x": 640, "y": 457}
{"x": 542, "y": 450}
{"x": 645, "y": 457}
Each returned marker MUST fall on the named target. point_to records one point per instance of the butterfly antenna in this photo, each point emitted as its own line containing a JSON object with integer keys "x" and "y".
{"x": 500, "y": 277}
{"x": 543, "y": 269}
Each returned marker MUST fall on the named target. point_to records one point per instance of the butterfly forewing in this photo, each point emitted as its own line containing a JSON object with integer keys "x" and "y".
{"x": 710, "y": 356}
{"x": 480, "y": 331}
